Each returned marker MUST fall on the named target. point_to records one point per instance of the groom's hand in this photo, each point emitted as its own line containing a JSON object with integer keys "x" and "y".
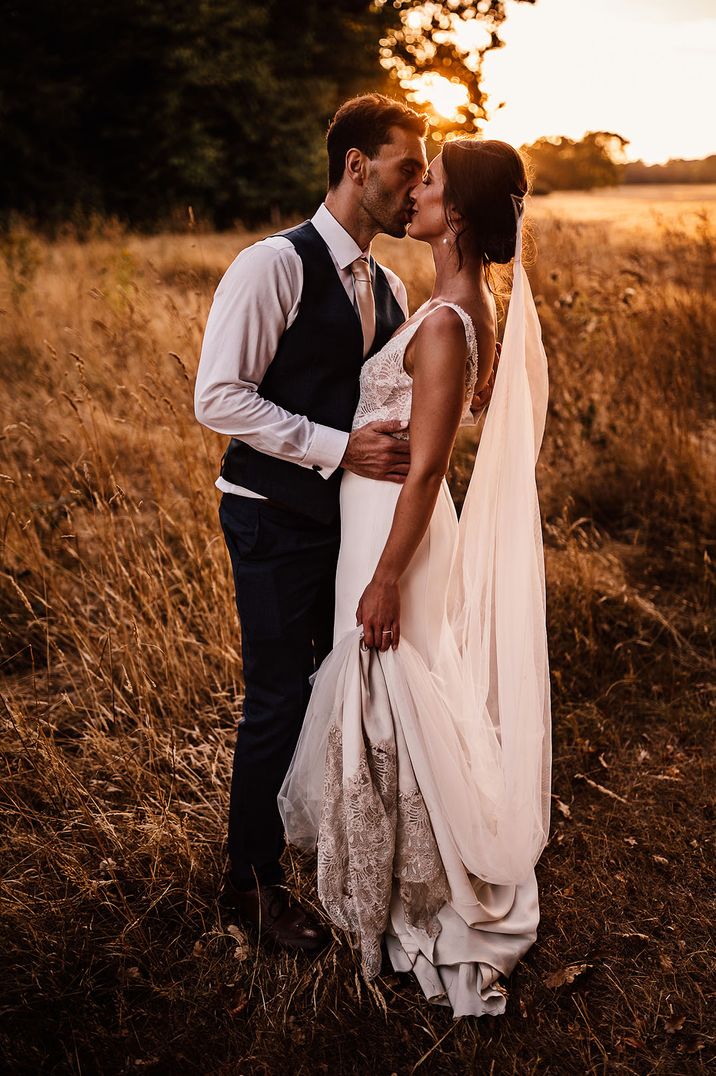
{"x": 373, "y": 453}
{"x": 482, "y": 398}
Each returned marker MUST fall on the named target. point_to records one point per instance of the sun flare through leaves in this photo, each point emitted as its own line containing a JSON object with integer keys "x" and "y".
{"x": 435, "y": 51}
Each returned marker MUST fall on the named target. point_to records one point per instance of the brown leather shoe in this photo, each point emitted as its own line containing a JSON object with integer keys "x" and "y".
{"x": 275, "y": 916}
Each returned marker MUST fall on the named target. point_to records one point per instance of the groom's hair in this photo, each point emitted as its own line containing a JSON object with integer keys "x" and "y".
{"x": 364, "y": 123}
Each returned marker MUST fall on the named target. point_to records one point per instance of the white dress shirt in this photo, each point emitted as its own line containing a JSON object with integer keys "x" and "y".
{"x": 256, "y": 301}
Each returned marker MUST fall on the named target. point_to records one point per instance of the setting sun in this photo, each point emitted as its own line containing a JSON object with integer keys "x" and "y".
{"x": 443, "y": 96}
{"x": 643, "y": 68}
{"x": 640, "y": 68}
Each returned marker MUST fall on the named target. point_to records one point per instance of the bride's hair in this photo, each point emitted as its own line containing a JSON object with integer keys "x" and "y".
{"x": 484, "y": 181}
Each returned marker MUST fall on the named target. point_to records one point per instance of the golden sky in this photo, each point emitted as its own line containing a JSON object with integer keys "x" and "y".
{"x": 645, "y": 69}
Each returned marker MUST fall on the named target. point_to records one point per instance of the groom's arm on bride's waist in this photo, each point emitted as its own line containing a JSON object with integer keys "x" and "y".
{"x": 256, "y": 301}
{"x": 481, "y": 397}
{"x": 373, "y": 452}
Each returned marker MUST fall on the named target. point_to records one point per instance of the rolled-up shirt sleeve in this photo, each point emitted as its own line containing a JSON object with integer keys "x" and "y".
{"x": 255, "y": 302}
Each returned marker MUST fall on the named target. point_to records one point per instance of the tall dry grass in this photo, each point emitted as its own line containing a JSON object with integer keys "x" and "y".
{"x": 122, "y": 680}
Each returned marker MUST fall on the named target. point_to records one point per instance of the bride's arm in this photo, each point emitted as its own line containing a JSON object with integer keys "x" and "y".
{"x": 439, "y": 355}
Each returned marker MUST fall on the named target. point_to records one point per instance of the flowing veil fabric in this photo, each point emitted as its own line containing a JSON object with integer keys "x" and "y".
{"x": 477, "y": 722}
{"x": 497, "y": 611}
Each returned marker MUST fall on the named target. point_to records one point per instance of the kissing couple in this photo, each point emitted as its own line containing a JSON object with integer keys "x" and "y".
{"x": 396, "y": 715}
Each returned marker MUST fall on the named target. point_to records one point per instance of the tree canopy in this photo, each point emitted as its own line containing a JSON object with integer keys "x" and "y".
{"x": 561, "y": 163}
{"x": 447, "y": 41}
{"x": 140, "y": 108}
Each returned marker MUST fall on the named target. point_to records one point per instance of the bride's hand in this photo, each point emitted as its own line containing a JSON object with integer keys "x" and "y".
{"x": 379, "y": 613}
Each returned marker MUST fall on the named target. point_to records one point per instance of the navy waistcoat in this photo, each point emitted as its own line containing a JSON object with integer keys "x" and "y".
{"x": 315, "y": 372}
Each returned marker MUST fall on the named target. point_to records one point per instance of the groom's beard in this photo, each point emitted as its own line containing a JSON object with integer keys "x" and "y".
{"x": 397, "y": 226}
{"x": 388, "y": 217}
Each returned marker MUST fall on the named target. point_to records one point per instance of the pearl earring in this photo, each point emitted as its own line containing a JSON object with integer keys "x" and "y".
{"x": 446, "y": 240}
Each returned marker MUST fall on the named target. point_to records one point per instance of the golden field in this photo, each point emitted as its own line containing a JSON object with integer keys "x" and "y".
{"x": 122, "y": 677}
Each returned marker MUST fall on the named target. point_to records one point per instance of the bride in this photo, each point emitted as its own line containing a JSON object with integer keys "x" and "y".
{"x": 422, "y": 773}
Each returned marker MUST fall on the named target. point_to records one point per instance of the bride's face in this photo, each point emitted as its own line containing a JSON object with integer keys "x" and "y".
{"x": 429, "y": 223}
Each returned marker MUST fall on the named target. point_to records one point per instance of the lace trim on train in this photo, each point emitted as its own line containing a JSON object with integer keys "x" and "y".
{"x": 369, "y": 834}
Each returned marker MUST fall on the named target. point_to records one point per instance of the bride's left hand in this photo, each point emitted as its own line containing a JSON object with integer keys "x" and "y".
{"x": 379, "y": 613}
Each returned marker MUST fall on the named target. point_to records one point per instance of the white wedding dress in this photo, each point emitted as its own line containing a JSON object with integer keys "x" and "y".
{"x": 381, "y": 778}
{"x": 491, "y": 926}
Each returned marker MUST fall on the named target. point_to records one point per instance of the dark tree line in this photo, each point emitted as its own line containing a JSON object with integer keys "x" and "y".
{"x": 674, "y": 171}
{"x": 141, "y": 108}
{"x": 598, "y": 160}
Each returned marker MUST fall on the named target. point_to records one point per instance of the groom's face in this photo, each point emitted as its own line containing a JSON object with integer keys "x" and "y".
{"x": 391, "y": 178}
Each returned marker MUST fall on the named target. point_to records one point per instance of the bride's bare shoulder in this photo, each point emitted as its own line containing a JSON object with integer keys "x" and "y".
{"x": 440, "y": 339}
{"x": 482, "y": 309}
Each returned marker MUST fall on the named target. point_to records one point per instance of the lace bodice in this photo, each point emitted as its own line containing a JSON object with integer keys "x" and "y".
{"x": 386, "y": 389}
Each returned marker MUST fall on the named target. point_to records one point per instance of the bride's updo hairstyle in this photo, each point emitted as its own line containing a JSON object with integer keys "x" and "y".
{"x": 482, "y": 180}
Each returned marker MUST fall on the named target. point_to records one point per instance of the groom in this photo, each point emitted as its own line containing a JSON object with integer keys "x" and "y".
{"x": 292, "y": 321}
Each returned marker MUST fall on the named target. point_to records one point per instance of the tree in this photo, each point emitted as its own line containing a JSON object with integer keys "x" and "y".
{"x": 445, "y": 41}
{"x": 142, "y": 107}
{"x": 560, "y": 163}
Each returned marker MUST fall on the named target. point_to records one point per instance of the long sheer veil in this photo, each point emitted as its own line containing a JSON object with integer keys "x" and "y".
{"x": 497, "y": 609}
{"x": 478, "y": 721}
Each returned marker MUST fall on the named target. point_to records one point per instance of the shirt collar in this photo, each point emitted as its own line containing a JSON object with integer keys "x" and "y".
{"x": 341, "y": 245}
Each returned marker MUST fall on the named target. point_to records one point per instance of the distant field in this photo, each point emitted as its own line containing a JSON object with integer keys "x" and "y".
{"x": 636, "y": 206}
{"x": 647, "y": 212}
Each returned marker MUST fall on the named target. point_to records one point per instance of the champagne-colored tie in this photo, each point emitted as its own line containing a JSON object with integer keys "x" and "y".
{"x": 365, "y": 300}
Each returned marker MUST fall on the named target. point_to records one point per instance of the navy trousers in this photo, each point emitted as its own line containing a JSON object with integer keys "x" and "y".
{"x": 284, "y": 567}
